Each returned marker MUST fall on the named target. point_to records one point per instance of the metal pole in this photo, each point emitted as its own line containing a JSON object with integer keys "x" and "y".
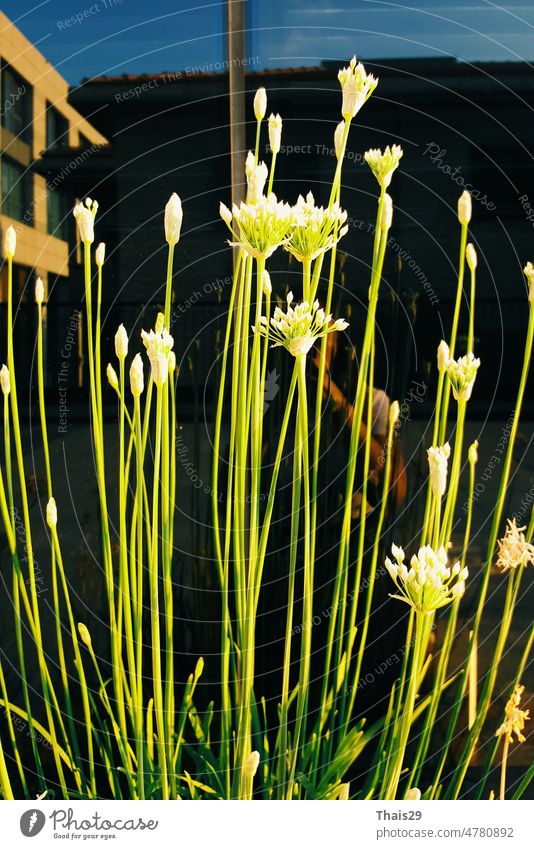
{"x": 236, "y": 55}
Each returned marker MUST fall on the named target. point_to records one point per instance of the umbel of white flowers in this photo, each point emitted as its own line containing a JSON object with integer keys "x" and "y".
{"x": 462, "y": 373}
{"x": 173, "y": 219}
{"x": 384, "y": 164}
{"x": 438, "y": 457}
{"x": 261, "y": 227}
{"x": 158, "y": 344}
{"x": 85, "y": 219}
{"x": 317, "y": 229}
{"x": 298, "y": 328}
{"x": 357, "y": 86}
{"x": 429, "y": 583}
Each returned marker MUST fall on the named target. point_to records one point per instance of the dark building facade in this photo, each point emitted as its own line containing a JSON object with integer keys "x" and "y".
{"x": 460, "y": 126}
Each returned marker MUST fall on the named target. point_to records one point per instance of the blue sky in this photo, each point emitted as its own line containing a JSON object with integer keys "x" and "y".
{"x": 90, "y": 37}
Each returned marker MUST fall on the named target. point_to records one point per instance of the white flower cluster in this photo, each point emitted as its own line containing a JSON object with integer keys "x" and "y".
{"x": 261, "y": 227}
{"x": 298, "y": 328}
{"x": 357, "y": 86}
{"x": 462, "y": 373}
{"x": 384, "y": 164}
{"x": 438, "y": 457}
{"x": 317, "y": 229}
{"x": 429, "y": 583}
{"x": 158, "y": 344}
{"x": 85, "y": 219}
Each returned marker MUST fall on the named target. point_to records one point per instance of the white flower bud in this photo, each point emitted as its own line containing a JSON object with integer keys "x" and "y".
{"x": 121, "y": 343}
{"x": 471, "y": 256}
{"x": 260, "y": 104}
{"x": 112, "y": 377}
{"x": 529, "y": 274}
{"x": 160, "y": 368}
{"x": 5, "y": 380}
{"x": 137, "y": 382}
{"x": 387, "y": 212}
{"x": 100, "y": 254}
{"x": 85, "y": 220}
{"x": 160, "y": 323}
{"x": 10, "y": 242}
{"x": 85, "y": 636}
{"x": 472, "y": 453}
{"x": 413, "y": 795}
{"x": 266, "y": 283}
{"x": 173, "y": 219}
{"x": 51, "y": 513}
{"x": 39, "y": 291}
{"x": 225, "y": 214}
{"x": 443, "y": 355}
{"x": 172, "y": 362}
{"x": 275, "y": 133}
{"x": 344, "y": 792}
{"x": 437, "y": 463}
{"x": 465, "y": 208}
{"x": 338, "y": 138}
{"x": 252, "y": 763}
{"x": 394, "y": 413}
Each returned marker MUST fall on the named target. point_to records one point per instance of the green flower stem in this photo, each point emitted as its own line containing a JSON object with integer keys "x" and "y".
{"x": 281, "y": 788}
{"x": 79, "y": 666}
{"x": 496, "y": 740}
{"x": 336, "y": 183}
{"x": 445, "y": 651}
{"x": 372, "y": 574}
{"x": 12, "y": 737}
{"x": 168, "y": 288}
{"x": 98, "y": 346}
{"x": 471, "y": 333}
{"x": 5, "y": 783}
{"x": 454, "y": 477}
{"x": 8, "y": 515}
{"x": 43, "y": 669}
{"x": 409, "y": 704}
{"x": 514, "y": 581}
{"x": 380, "y": 241}
{"x": 271, "y": 173}
{"x": 454, "y": 331}
{"x": 124, "y": 575}
{"x": 218, "y": 415}
{"x": 101, "y": 481}
{"x": 138, "y": 513}
{"x": 308, "y": 583}
{"x": 351, "y": 629}
{"x": 167, "y": 515}
{"x": 496, "y": 522}
{"x": 154, "y": 606}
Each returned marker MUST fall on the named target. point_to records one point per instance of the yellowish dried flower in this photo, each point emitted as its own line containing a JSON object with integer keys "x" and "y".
{"x": 515, "y": 718}
{"x": 514, "y": 550}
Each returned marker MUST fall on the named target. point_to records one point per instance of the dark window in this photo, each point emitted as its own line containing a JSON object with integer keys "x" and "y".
{"x": 57, "y": 213}
{"x": 16, "y": 105}
{"x": 17, "y": 191}
{"x": 57, "y": 128}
